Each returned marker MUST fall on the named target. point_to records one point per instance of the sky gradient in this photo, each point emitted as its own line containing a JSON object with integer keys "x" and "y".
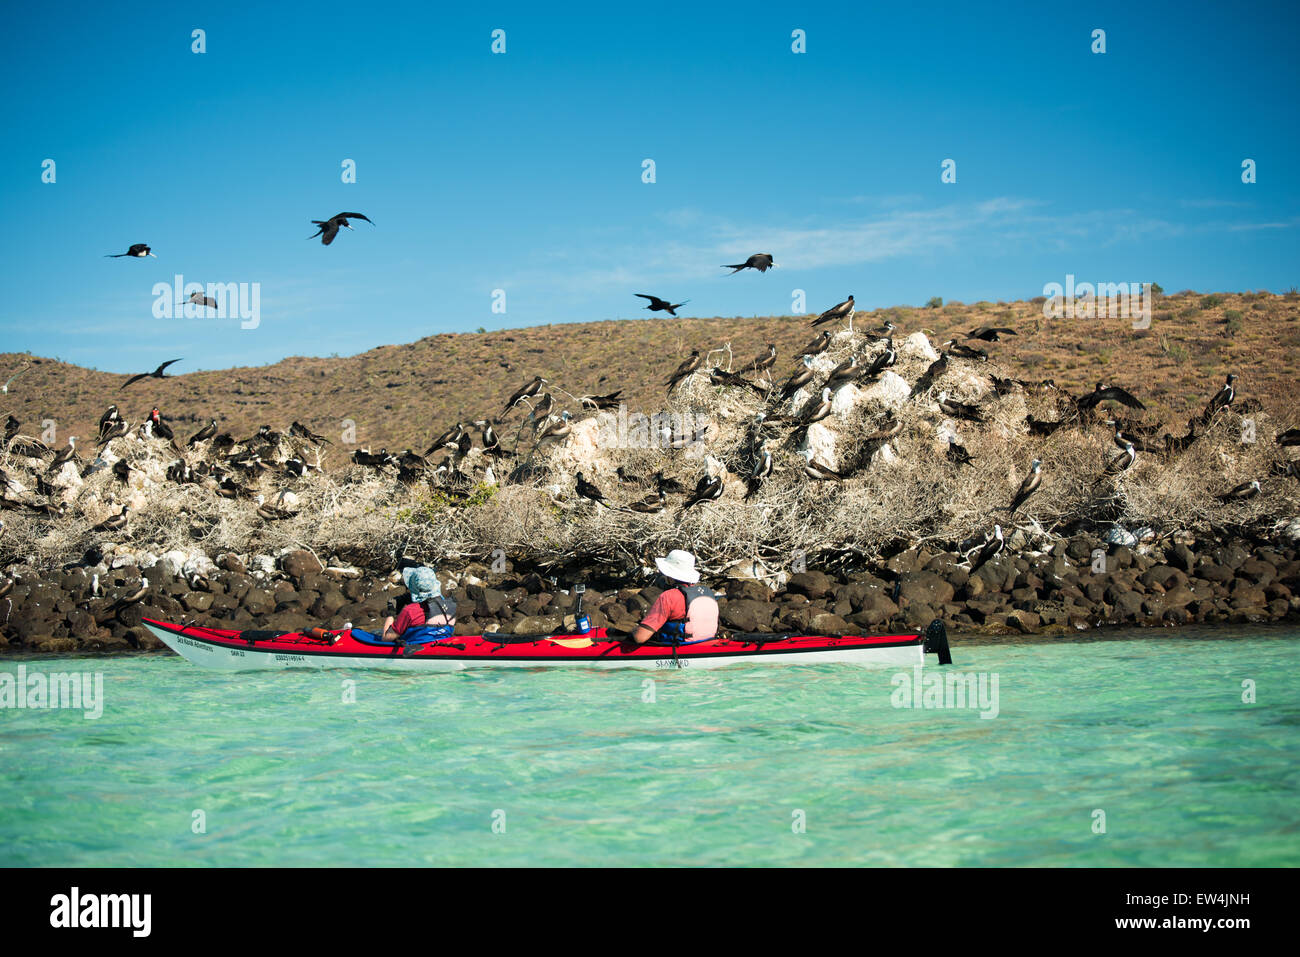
{"x": 522, "y": 171}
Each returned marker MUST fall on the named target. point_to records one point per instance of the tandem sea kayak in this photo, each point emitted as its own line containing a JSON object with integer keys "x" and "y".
{"x": 259, "y": 650}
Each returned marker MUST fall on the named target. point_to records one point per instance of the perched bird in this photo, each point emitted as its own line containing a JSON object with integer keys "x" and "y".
{"x": 721, "y": 377}
{"x": 1121, "y": 462}
{"x": 203, "y": 434}
{"x": 156, "y": 374}
{"x": 957, "y": 453}
{"x": 541, "y": 411}
{"x": 329, "y": 228}
{"x": 992, "y": 547}
{"x": 1004, "y": 386}
{"x": 760, "y": 363}
{"x": 1242, "y": 492}
{"x": 761, "y": 470}
{"x": 1290, "y": 438}
{"x": 760, "y": 261}
{"x": 816, "y": 409}
{"x": 272, "y": 513}
{"x": 708, "y": 489}
{"x": 65, "y": 454}
{"x": 525, "y": 392}
{"x": 113, "y": 430}
{"x": 113, "y": 522}
{"x": 448, "y": 439}
{"x": 136, "y": 250}
{"x": 843, "y": 373}
{"x": 685, "y": 369}
{"x": 1114, "y": 394}
{"x": 965, "y": 352}
{"x": 611, "y": 400}
{"x": 1042, "y": 427}
{"x": 110, "y": 416}
{"x": 817, "y": 346}
{"x": 666, "y": 484}
{"x": 661, "y": 305}
{"x": 301, "y": 431}
{"x": 841, "y": 310}
{"x": 652, "y": 504}
{"x": 959, "y": 410}
{"x": 158, "y": 427}
{"x": 1222, "y": 399}
{"x": 817, "y": 471}
{"x": 1029, "y": 486}
{"x": 990, "y": 333}
{"x": 556, "y": 429}
{"x": 799, "y": 379}
{"x": 933, "y": 371}
{"x": 491, "y": 444}
{"x": 890, "y": 430}
{"x": 887, "y": 358}
{"x": 590, "y": 492}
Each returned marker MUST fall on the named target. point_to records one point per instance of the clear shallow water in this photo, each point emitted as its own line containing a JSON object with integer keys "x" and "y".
{"x": 1151, "y": 731}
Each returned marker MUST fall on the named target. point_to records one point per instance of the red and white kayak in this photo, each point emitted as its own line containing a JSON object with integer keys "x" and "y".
{"x": 257, "y": 650}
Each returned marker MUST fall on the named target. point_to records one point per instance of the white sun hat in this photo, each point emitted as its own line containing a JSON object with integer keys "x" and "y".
{"x": 679, "y": 566}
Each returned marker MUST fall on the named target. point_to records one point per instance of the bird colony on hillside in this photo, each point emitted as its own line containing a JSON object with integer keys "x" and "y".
{"x": 864, "y": 440}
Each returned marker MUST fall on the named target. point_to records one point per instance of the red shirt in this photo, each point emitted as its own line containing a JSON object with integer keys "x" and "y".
{"x": 409, "y": 617}
{"x": 669, "y": 606}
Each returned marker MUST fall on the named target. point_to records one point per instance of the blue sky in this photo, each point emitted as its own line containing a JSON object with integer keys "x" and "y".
{"x": 523, "y": 171}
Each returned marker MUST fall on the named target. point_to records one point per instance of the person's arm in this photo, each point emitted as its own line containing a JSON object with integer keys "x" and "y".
{"x": 387, "y": 633}
{"x": 654, "y": 619}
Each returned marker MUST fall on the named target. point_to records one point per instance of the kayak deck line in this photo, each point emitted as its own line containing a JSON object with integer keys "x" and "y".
{"x": 260, "y": 649}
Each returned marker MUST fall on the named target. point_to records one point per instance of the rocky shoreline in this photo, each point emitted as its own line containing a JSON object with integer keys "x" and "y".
{"x": 1076, "y": 585}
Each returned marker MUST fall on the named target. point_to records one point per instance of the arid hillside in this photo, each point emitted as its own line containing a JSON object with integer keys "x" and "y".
{"x": 402, "y": 395}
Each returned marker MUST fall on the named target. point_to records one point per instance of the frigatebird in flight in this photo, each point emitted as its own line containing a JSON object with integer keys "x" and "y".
{"x": 760, "y": 261}
{"x": 329, "y": 228}
{"x": 156, "y": 374}
{"x": 137, "y": 250}
{"x": 661, "y": 305}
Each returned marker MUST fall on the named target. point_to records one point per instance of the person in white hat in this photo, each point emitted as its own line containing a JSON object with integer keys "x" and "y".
{"x": 685, "y": 611}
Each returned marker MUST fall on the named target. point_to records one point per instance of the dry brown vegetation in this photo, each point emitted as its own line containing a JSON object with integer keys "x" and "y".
{"x": 365, "y": 516}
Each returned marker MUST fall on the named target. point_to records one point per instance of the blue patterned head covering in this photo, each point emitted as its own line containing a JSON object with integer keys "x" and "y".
{"x": 422, "y": 582}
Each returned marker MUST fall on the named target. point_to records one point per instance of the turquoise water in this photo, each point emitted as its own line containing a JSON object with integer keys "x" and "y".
{"x": 717, "y": 769}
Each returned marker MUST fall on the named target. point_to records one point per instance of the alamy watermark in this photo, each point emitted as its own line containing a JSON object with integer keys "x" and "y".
{"x": 663, "y": 430}
{"x": 1085, "y": 300}
{"x": 977, "y": 690}
{"x": 216, "y": 300}
{"x": 83, "y": 691}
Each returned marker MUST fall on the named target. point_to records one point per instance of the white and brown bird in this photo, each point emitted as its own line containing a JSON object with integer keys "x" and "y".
{"x": 708, "y": 489}
{"x": 1222, "y": 399}
{"x": 836, "y": 313}
{"x": 1241, "y": 493}
{"x": 1028, "y": 487}
{"x": 993, "y": 546}
{"x": 817, "y": 471}
{"x": 817, "y": 346}
{"x": 113, "y": 522}
{"x": 799, "y": 379}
